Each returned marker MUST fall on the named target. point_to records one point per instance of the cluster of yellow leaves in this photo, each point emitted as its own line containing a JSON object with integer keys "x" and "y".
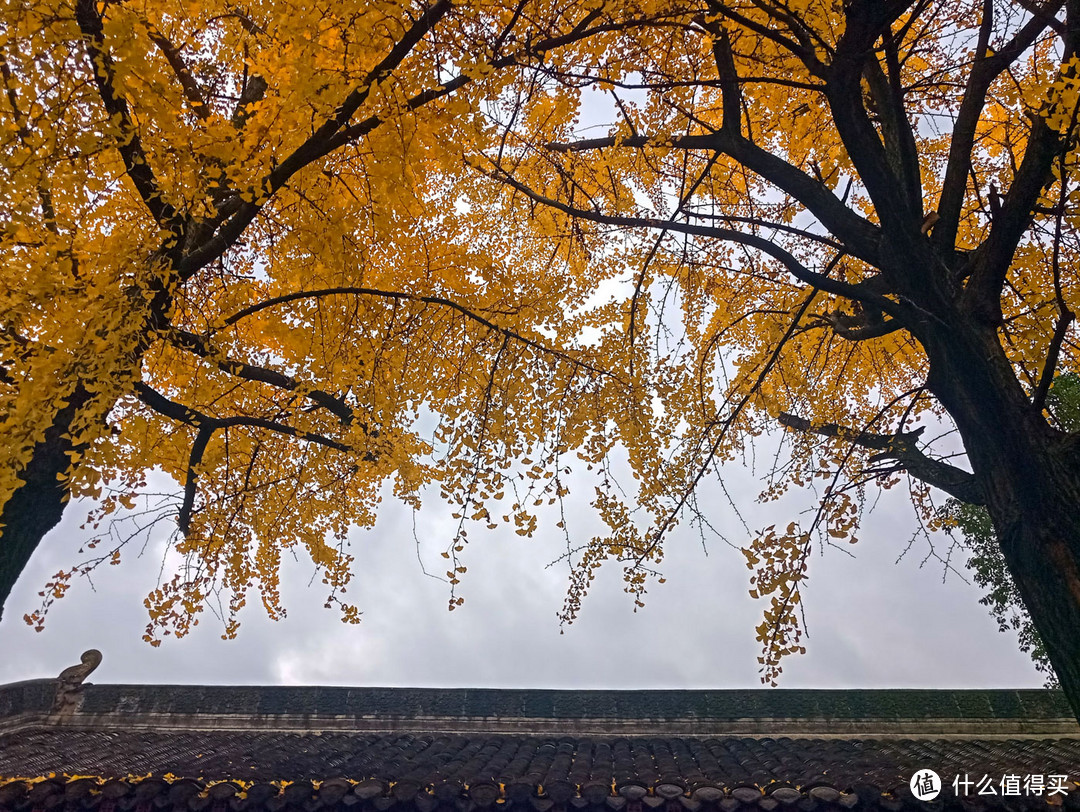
{"x": 384, "y": 278}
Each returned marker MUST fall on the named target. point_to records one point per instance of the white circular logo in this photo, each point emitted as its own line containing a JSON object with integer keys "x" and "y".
{"x": 925, "y": 785}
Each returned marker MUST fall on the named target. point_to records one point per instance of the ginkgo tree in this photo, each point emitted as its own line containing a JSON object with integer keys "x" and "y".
{"x": 867, "y": 213}
{"x": 291, "y": 254}
{"x": 242, "y": 246}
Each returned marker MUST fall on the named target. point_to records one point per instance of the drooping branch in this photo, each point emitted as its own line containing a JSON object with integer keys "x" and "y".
{"x": 206, "y": 426}
{"x": 720, "y": 428}
{"x": 904, "y": 449}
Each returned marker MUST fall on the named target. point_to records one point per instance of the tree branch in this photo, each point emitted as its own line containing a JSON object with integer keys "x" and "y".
{"x": 22, "y": 125}
{"x": 128, "y": 144}
{"x": 672, "y": 515}
{"x": 796, "y": 268}
{"x": 860, "y": 237}
{"x": 236, "y": 215}
{"x": 902, "y": 448}
{"x": 900, "y": 148}
{"x": 992, "y": 259}
{"x": 987, "y": 67}
{"x": 857, "y": 328}
{"x": 206, "y": 426}
{"x": 180, "y": 69}
{"x": 866, "y": 21}
{"x": 314, "y": 147}
{"x": 984, "y": 71}
{"x": 793, "y": 46}
{"x": 198, "y": 346}
{"x": 412, "y": 297}
{"x": 1038, "y": 400}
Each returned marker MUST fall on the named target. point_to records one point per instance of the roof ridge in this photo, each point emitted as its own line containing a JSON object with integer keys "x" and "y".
{"x": 755, "y": 712}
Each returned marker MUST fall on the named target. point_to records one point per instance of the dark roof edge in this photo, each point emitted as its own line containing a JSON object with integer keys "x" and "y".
{"x": 871, "y": 713}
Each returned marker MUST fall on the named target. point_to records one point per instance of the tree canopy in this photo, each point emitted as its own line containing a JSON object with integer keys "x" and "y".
{"x": 291, "y": 254}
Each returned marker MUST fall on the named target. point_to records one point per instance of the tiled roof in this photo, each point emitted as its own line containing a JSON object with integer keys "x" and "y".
{"x": 214, "y": 749}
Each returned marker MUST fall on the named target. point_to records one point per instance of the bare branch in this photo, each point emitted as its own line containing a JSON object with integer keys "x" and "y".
{"x": 902, "y": 448}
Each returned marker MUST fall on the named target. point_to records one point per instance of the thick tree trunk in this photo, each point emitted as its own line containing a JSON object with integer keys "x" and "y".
{"x": 36, "y": 507}
{"x": 1030, "y": 474}
{"x": 1044, "y": 559}
{"x": 1035, "y": 507}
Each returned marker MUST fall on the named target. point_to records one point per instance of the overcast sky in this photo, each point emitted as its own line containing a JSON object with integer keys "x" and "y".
{"x": 873, "y": 622}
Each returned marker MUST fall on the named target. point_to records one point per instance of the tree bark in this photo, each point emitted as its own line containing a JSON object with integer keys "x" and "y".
{"x": 1030, "y": 474}
{"x": 36, "y": 507}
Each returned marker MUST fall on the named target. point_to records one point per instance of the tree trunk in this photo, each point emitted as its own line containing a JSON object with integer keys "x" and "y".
{"x": 1030, "y": 474}
{"x": 38, "y": 504}
{"x": 1044, "y": 559}
{"x": 36, "y": 507}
